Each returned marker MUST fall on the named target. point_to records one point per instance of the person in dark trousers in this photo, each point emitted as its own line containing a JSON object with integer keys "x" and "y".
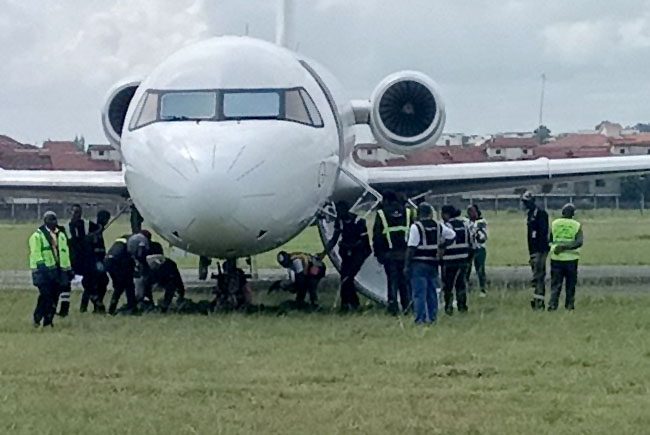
{"x": 164, "y": 274}
{"x": 120, "y": 266}
{"x": 538, "y": 248}
{"x": 389, "y": 236}
{"x": 138, "y": 247}
{"x": 427, "y": 240}
{"x": 455, "y": 261}
{"x": 566, "y": 240}
{"x": 354, "y": 249}
{"x": 479, "y": 231}
{"x": 49, "y": 261}
{"x": 81, "y": 257}
{"x": 308, "y": 270}
{"x": 96, "y": 278}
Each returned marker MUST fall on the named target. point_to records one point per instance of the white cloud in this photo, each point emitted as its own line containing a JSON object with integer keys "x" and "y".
{"x": 59, "y": 58}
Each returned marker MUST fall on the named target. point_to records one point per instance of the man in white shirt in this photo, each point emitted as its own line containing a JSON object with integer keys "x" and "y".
{"x": 427, "y": 240}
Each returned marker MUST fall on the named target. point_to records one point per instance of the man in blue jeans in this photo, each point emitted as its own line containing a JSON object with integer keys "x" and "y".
{"x": 427, "y": 239}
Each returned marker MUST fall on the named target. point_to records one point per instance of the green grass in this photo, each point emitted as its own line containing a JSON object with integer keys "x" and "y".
{"x": 501, "y": 369}
{"x": 611, "y": 237}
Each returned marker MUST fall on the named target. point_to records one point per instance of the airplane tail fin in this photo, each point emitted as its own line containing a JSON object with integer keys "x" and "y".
{"x": 284, "y": 31}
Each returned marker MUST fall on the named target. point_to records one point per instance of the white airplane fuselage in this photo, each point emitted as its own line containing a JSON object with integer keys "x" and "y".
{"x": 230, "y": 187}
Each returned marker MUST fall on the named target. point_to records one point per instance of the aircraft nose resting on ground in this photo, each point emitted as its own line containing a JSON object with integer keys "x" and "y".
{"x": 227, "y": 189}
{"x": 230, "y": 147}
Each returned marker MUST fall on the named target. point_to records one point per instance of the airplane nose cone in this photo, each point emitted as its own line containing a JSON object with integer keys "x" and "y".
{"x": 214, "y": 203}
{"x": 213, "y": 195}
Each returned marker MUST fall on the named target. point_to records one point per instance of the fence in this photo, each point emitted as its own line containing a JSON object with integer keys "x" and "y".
{"x": 551, "y": 201}
{"x": 32, "y": 210}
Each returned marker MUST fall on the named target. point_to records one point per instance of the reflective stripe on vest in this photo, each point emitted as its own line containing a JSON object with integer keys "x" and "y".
{"x": 428, "y": 249}
{"x": 565, "y": 231}
{"x": 459, "y": 250}
{"x": 389, "y": 230}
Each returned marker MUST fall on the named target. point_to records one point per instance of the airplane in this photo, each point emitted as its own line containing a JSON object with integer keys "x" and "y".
{"x": 234, "y": 145}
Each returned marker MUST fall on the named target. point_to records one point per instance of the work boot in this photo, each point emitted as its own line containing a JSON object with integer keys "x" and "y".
{"x": 537, "y": 304}
{"x": 449, "y": 310}
{"x": 392, "y": 308}
{"x": 65, "y": 309}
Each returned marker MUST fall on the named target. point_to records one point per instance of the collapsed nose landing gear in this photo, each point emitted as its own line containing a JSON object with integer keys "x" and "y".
{"x": 232, "y": 290}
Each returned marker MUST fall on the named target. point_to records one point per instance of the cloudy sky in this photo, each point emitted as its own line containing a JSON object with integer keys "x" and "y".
{"x": 57, "y": 59}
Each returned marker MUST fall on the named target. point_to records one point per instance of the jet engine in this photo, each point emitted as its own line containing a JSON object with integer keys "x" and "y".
{"x": 406, "y": 112}
{"x": 114, "y": 111}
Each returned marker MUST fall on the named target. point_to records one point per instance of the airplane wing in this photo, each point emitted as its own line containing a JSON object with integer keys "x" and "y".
{"x": 469, "y": 177}
{"x": 38, "y": 182}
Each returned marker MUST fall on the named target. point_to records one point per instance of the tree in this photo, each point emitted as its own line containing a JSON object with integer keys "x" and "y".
{"x": 633, "y": 187}
{"x": 542, "y": 134}
{"x": 643, "y": 127}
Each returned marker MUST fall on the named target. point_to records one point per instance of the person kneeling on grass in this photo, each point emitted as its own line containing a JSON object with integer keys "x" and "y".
{"x": 307, "y": 271}
{"x": 164, "y": 274}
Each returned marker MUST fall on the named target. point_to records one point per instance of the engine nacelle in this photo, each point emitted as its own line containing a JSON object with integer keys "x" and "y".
{"x": 114, "y": 111}
{"x": 407, "y": 113}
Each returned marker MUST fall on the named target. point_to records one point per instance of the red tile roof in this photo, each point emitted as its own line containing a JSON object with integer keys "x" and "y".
{"x": 432, "y": 156}
{"x": 642, "y": 139}
{"x": 580, "y": 140}
{"x": 54, "y": 155}
{"x": 512, "y": 142}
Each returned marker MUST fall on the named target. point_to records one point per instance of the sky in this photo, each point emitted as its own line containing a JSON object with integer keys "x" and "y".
{"x": 58, "y": 59}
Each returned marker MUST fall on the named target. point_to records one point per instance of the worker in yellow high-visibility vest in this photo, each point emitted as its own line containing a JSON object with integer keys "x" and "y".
{"x": 49, "y": 260}
{"x": 389, "y": 236}
{"x": 566, "y": 240}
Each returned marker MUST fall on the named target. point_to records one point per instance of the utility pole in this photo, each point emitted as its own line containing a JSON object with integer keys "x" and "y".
{"x": 541, "y": 101}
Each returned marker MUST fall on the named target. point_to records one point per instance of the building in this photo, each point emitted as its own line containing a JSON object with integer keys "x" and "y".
{"x": 632, "y": 145}
{"x": 510, "y": 148}
{"x": 103, "y": 152}
{"x": 56, "y": 155}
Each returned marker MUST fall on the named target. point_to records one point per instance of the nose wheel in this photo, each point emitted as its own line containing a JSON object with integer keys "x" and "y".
{"x": 232, "y": 290}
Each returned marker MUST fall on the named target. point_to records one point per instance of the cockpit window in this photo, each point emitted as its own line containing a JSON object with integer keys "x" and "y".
{"x": 146, "y": 112}
{"x": 294, "y": 105}
{"x": 181, "y": 106}
{"x": 251, "y": 105}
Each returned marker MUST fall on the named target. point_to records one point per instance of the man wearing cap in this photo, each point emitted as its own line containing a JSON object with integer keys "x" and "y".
{"x": 49, "y": 260}
{"x": 538, "y": 247}
{"x": 566, "y": 240}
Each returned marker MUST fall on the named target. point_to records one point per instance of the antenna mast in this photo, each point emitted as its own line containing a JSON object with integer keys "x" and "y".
{"x": 541, "y": 101}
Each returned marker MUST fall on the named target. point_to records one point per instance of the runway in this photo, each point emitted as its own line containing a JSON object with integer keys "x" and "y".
{"x": 499, "y": 277}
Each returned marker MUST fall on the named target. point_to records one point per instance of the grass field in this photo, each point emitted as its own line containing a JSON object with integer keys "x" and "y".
{"x": 500, "y": 369}
{"x": 611, "y": 237}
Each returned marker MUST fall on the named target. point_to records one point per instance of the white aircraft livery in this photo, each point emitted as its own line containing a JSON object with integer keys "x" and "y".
{"x": 232, "y": 146}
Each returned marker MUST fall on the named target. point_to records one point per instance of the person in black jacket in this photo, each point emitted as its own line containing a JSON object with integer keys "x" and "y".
{"x": 354, "y": 248}
{"x": 120, "y": 266}
{"x": 164, "y": 274}
{"x": 538, "y": 248}
{"x": 389, "y": 237}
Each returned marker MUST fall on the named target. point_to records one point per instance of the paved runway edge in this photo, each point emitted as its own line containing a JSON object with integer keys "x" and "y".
{"x": 514, "y": 276}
